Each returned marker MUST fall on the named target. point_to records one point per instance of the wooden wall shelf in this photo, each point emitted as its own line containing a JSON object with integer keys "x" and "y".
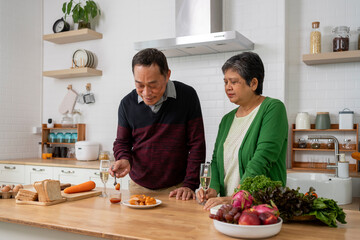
{"x": 318, "y": 165}
{"x": 73, "y": 36}
{"x": 73, "y": 73}
{"x": 331, "y": 57}
{"x": 80, "y": 129}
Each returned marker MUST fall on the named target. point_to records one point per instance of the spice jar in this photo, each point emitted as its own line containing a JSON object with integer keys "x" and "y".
{"x": 104, "y": 155}
{"x": 330, "y": 144}
{"x": 341, "y": 38}
{"x": 302, "y": 143}
{"x": 315, "y": 38}
{"x": 315, "y": 144}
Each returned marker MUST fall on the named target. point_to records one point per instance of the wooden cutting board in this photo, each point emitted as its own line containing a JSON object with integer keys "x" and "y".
{"x": 40, "y": 203}
{"x": 82, "y": 195}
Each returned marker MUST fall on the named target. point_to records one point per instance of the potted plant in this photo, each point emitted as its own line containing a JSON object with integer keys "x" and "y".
{"x": 81, "y": 13}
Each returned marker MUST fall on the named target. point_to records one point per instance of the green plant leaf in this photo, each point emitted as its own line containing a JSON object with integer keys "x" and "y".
{"x": 64, "y": 8}
{"x": 69, "y": 7}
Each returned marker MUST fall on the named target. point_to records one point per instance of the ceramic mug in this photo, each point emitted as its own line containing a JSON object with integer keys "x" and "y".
{"x": 322, "y": 120}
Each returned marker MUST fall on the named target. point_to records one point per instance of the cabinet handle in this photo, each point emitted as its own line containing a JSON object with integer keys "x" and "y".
{"x": 10, "y": 168}
{"x": 68, "y": 172}
{"x": 97, "y": 174}
{"x": 38, "y": 170}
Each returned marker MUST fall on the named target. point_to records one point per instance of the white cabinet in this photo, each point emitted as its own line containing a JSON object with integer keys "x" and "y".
{"x": 12, "y": 174}
{"x": 37, "y": 173}
{"x": 70, "y": 175}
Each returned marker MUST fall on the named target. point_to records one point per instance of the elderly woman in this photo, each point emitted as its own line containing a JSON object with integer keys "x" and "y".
{"x": 252, "y": 139}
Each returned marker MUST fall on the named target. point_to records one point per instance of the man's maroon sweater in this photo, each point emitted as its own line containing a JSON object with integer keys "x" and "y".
{"x": 164, "y": 148}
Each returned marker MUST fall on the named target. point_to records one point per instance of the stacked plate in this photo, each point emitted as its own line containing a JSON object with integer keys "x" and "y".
{"x": 84, "y": 58}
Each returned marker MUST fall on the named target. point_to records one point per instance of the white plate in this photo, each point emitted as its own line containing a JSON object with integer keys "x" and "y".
{"x": 126, "y": 203}
{"x": 80, "y": 58}
{"x": 248, "y": 231}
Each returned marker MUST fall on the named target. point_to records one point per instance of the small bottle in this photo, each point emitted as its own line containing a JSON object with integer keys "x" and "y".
{"x": 315, "y": 38}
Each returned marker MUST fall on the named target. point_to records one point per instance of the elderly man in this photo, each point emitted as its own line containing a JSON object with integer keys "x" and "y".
{"x": 160, "y": 136}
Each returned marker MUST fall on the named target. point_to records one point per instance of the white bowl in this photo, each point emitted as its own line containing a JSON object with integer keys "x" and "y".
{"x": 248, "y": 231}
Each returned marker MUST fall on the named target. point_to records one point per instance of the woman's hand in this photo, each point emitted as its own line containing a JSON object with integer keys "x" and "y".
{"x": 202, "y": 196}
{"x": 212, "y": 202}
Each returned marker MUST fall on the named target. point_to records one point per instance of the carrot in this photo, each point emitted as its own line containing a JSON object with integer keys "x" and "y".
{"x": 82, "y": 187}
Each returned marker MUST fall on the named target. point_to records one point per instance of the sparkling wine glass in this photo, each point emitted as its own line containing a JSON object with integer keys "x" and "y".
{"x": 104, "y": 174}
{"x": 205, "y": 176}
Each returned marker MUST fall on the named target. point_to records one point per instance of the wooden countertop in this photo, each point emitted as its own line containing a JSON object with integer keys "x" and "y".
{"x": 54, "y": 163}
{"x": 174, "y": 219}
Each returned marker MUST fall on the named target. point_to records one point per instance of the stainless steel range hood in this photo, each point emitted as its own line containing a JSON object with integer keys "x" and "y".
{"x": 199, "y": 31}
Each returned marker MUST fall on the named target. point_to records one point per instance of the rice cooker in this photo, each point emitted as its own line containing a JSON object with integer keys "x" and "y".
{"x": 87, "y": 150}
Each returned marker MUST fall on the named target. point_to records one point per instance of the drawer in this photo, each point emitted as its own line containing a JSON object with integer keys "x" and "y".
{"x": 70, "y": 175}
{"x": 12, "y": 174}
{"x": 37, "y": 173}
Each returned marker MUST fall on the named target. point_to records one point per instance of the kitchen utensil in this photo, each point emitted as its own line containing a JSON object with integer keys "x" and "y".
{"x": 68, "y": 137}
{"x": 40, "y": 203}
{"x": 74, "y": 137}
{"x": 60, "y": 137}
{"x": 322, "y": 120}
{"x": 63, "y": 152}
{"x": 112, "y": 168}
{"x": 81, "y": 195}
{"x": 67, "y": 105}
{"x": 89, "y": 97}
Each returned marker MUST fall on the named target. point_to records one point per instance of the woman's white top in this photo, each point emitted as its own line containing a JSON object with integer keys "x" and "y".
{"x": 232, "y": 144}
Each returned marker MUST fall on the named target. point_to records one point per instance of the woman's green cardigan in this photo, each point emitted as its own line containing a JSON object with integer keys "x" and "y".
{"x": 263, "y": 149}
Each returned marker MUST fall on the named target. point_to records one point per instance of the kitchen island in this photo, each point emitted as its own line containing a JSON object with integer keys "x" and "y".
{"x": 174, "y": 219}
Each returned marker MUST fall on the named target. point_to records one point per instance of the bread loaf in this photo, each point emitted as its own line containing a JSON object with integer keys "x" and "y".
{"x": 26, "y": 195}
{"x": 48, "y": 190}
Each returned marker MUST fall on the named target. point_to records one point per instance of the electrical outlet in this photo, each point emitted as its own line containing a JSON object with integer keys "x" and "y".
{"x": 36, "y": 130}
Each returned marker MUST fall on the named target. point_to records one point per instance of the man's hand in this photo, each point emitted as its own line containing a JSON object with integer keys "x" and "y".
{"x": 120, "y": 168}
{"x": 202, "y": 196}
{"x": 183, "y": 193}
{"x": 212, "y": 202}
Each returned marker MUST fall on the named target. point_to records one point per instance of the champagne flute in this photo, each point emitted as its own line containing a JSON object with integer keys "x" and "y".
{"x": 104, "y": 174}
{"x": 205, "y": 176}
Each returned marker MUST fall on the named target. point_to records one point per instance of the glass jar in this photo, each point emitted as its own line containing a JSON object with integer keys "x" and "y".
{"x": 74, "y": 137}
{"x": 60, "y": 137}
{"x": 330, "y": 144}
{"x": 347, "y": 143}
{"x": 341, "y": 38}
{"x": 302, "y": 143}
{"x": 68, "y": 137}
{"x": 315, "y": 38}
{"x": 52, "y": 137}
{"x": 315, "y": 144}
{"x": 104, "y": 155}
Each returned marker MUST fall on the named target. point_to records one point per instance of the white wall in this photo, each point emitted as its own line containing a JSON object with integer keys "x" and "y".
{"x": 20, "y": 77}
{"x": 321, "y": 88}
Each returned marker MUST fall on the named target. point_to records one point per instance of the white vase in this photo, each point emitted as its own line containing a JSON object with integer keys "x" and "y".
{"x": 302, "y": 121}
